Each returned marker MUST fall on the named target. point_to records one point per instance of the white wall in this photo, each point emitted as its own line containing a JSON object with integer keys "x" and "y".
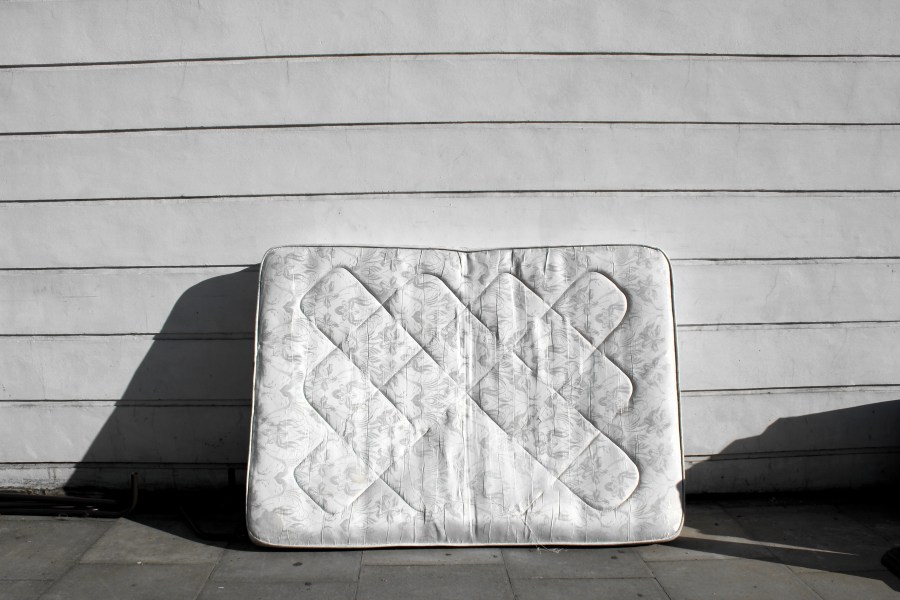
{"x": 151, "y": 151}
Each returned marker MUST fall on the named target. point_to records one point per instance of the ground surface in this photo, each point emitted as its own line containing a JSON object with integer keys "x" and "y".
{"x": 746, "y": 548}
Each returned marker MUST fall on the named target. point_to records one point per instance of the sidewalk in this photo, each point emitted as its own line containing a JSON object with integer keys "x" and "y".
{"x": 790, "y": 548}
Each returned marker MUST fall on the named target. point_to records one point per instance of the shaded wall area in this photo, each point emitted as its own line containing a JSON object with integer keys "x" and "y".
{"x": 185, "y": 415}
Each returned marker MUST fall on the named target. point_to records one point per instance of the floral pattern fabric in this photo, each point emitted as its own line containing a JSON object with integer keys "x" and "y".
{"x": 427, "y": 397}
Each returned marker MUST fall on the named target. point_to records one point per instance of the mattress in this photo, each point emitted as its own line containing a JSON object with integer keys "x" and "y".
{"x": 408, "y": 397}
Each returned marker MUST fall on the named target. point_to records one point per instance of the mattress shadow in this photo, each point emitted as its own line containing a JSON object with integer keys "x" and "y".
{"x": 800, "y": 559}
{"x": 829, "y": 527}
{"x": 183, "y": 421}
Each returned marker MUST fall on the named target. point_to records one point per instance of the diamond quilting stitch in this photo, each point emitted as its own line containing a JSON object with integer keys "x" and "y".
{"x": 521, "y": 397}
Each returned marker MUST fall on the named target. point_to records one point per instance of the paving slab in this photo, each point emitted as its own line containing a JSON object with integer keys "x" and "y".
{"x": 446, "y": 582}
{"x": 813, "y": 537}
{"x": 245, "y": 562}
{"x": 868, "y": 585}
{"x": 433, "y": 556}
{"x": 255, "y": 590}
{"x": 709, "y": 532}
{"x": 588, "y": 589}
{"x": 134, "y": 582}
{"x": 152, "y": 541}
{"x": 569, "y": 563}
{"x": 22, "y": 590}
{"x": 738, "y": 579}
{"x": 40, "y": 548}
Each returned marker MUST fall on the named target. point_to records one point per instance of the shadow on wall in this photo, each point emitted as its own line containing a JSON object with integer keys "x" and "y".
{"x": 184, "y": 419}
{"x": 846, "y": 448}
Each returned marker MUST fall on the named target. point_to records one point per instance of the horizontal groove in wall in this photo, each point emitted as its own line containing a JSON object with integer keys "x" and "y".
{"x": 254, "y": 266}
{"x": 249, "y": 335}
{"x": 827, "y": 389}
{"x": 784, "y": 325}
{"x": 792, "y": 454}
{"x": 812, "y": 260}
{"x": 465, "y": 194}
{"x": 688, "y": 458}
{"x": 411, "y": 124}
{"x": 683, "y": 393}
{"x": 240, "y": 336}
{"x": 774, "y": 391}
{"x": 761, "y": 393}
{"x": 124, "y": 465}
{"x": 352, "y": 55}
{"x": 129, "y": 403}
{"x": 823, "y": 260}
{"x": 262, "y": 126}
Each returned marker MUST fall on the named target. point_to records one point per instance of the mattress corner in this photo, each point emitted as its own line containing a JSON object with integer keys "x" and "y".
{"x": 257, "y": 540}
{"x": 268, "y": 254}
{"x": 252, "y": 534}
{"x": 676, "y": 532}
{"x": 657, "y": 254}
{"x": 671, "y": 531}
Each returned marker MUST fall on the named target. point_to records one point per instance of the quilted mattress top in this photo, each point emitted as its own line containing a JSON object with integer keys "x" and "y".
{"x": 439, "y": 397}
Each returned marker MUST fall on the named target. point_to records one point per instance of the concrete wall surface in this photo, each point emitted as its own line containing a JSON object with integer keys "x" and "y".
{"x": 150, "y": 153}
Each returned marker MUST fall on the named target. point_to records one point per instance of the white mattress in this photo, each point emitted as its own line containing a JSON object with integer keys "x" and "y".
{"x": 411, "y": 397}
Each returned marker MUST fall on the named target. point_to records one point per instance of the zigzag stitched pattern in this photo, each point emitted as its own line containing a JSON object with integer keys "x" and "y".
{"x": 422, "y": 372}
